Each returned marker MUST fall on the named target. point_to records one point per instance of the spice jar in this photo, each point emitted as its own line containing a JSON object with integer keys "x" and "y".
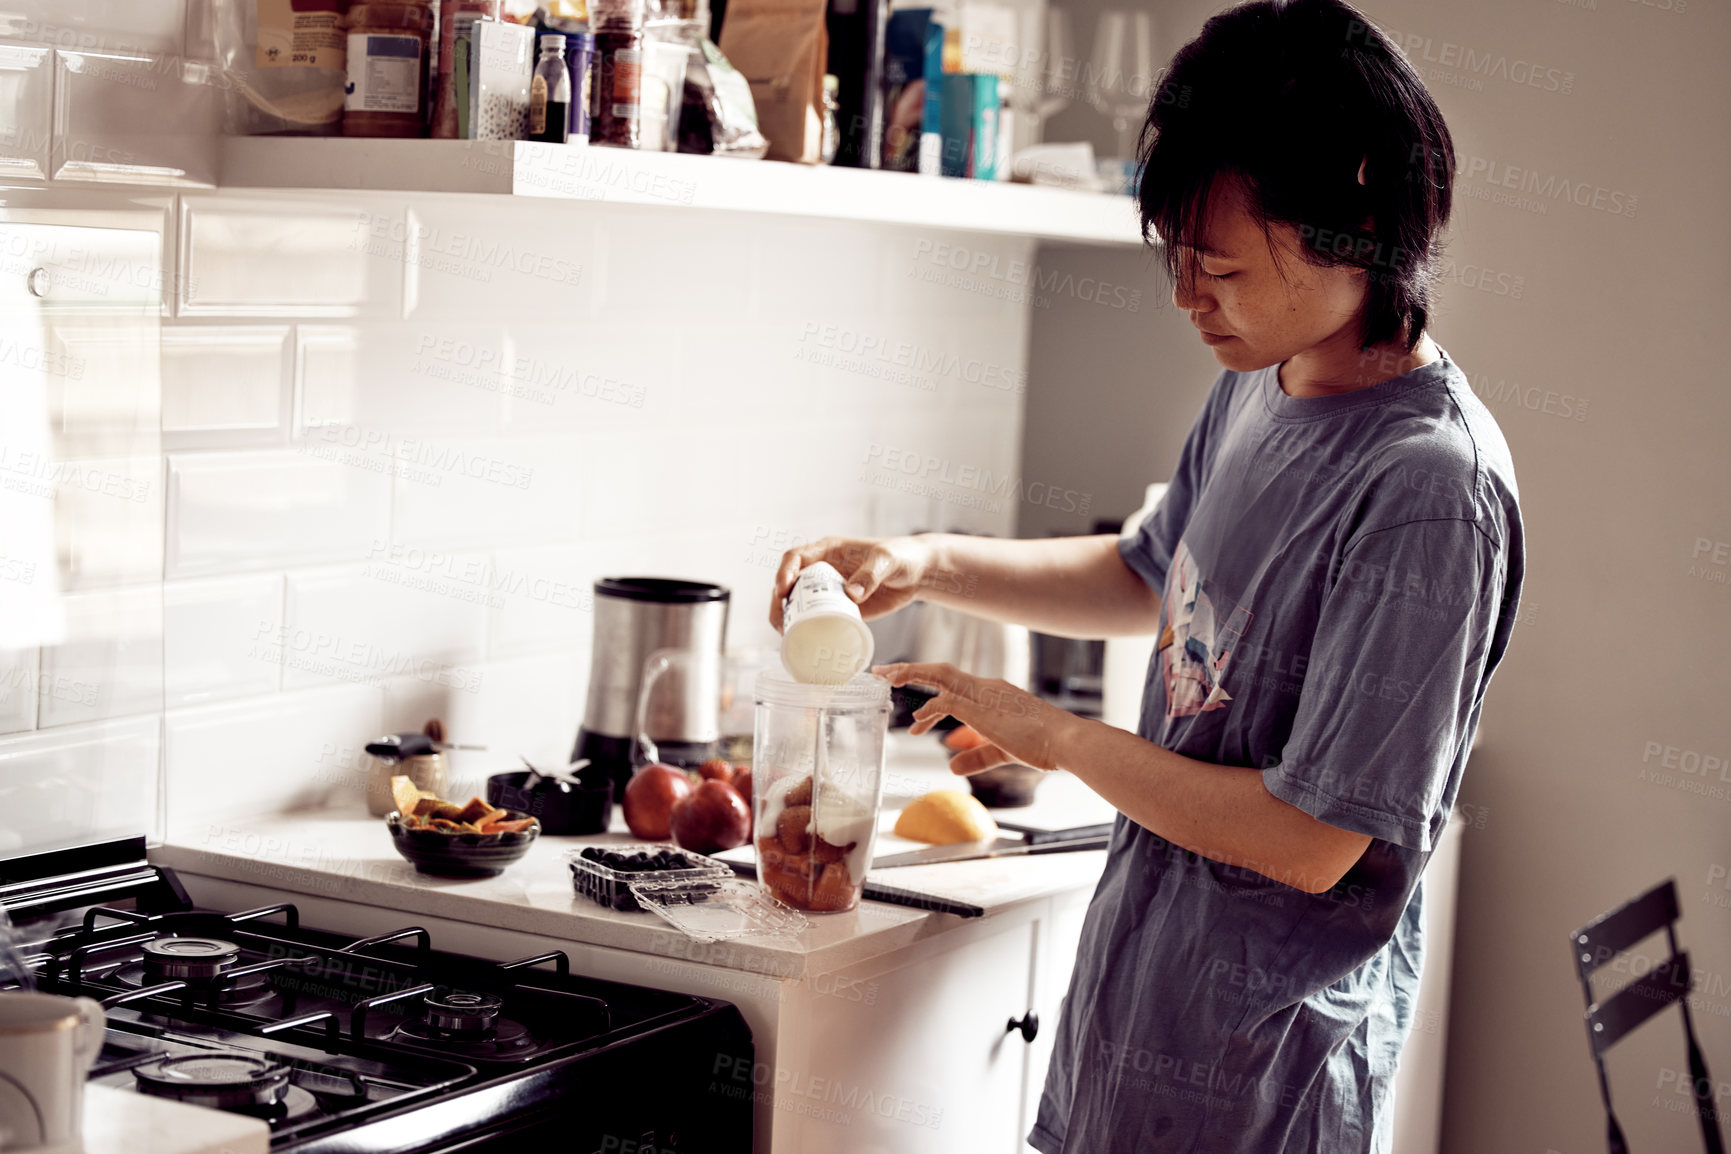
{"x": 427, "y": 771}
{"x": 416, "y": 756}
{"x": 616, "y": 111}
{"x": 390, "y": 46}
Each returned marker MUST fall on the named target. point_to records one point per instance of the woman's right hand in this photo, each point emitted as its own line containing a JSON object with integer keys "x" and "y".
{"x": 881, "y": 575}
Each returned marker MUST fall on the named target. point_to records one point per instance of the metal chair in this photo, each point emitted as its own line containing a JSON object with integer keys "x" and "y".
{"x": 1609, "y": 1021}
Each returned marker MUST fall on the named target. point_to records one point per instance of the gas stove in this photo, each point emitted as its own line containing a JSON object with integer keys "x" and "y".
{"x": 377, "y": 1043}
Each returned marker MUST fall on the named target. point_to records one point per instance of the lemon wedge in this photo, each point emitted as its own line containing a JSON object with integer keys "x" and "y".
{"x": 946, "y": 816}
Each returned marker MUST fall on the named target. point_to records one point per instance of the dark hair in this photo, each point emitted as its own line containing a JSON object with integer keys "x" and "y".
{"x": 1290, "y": 96}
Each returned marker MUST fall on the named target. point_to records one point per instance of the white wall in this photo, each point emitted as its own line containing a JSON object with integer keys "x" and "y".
{"x": 401, "y": 435}
{"x": 1626, "y": 619}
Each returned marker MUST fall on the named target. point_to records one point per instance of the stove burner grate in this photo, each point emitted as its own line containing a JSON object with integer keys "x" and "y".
{"x": 248, "y": 989}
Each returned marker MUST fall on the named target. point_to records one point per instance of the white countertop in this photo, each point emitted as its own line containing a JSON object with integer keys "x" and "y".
{"x": 122, "y": 1122}
{"x": 348, "y": 856}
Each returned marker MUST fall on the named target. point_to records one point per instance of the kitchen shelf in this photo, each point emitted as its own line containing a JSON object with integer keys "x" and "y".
{"x": 622, "y": 176}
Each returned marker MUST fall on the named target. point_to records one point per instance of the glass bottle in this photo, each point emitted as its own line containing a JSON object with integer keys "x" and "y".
{"x": 616, "y": 109}
{"x": 550, "y": 93}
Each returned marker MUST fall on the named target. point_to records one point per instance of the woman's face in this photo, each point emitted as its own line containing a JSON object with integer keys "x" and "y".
{"x": 1254, "y": 311}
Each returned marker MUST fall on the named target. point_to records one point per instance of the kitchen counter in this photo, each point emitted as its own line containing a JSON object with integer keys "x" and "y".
{"x": 121, "y": 1122}
{"x": 348, "y": 856}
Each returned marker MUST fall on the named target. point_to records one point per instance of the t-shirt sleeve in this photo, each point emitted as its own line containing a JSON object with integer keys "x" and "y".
{"x": 1149, "y": 550}
{"x": 1392, "y": 680}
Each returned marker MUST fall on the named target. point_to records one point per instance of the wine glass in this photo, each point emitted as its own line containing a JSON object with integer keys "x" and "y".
{"x": 1122, "y": 72}
{"x": 1042, "y": 82}
{"x": 1057, "y": 66}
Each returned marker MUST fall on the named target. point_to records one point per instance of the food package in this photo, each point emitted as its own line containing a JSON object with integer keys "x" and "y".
{"x": 283, "y": 65}
{"x": 444, "y": 83}
{"x": 969, "y": 119}
{"x": 781, "y": 48}
{"x": 718, "y": 115}
{"x": 501, "y": 66}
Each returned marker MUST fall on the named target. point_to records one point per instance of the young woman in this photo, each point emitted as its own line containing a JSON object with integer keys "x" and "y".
{"x": 1333, "y": 575}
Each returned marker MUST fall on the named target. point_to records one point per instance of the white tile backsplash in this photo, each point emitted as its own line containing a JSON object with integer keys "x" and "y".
{"x": 396, "y": 439}
{"x": 298, "y": 257}
{"x": 17, "y": 690}
{"x": 544, "y": 264}
{"x": 799, "y": 262}
{"x": 450, "y": 491}
{"x": 110, "y": 664}
{"x": 542, "y": 598}
{"x": 239, "y": 511}
{"x": 263, "y": 754}
{"x": 529, "y": 706}
{"x": 108, "y": 520}
{"x": 220, "y": 638}
{"x": 104, "y": 398}
{"x": 653, "y": 263}
{"x": 26, "y": 111}
{"x": 414, "y": 614}
{"x": 96, "y": 25}
{"x": 134, "y": 119}
{"x": 620, "y": 377}
{"x": 80, "y": 784}
{"x": 224, "y": 385}
{"x": 382, "y": 379}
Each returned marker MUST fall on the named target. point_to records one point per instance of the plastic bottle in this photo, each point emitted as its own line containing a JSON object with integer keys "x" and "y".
{"x": 550, "y": 93}
{"x": 824, "y": 640}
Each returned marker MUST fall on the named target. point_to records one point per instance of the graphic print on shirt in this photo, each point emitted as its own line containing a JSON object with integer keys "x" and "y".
{"x": 1203, "y": 627}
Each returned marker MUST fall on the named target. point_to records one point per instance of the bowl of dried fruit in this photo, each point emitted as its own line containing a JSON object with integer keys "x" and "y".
{"x": 472, "y": 840}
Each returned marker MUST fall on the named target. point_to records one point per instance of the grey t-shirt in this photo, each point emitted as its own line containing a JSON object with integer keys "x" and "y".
{"x": 1339, "y": 578}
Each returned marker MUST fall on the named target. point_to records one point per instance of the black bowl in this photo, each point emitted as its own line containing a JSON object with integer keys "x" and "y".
{"x": 560, "y": 807}
{"x": 460, "y": 855}
{"x": 1006, "y": 786}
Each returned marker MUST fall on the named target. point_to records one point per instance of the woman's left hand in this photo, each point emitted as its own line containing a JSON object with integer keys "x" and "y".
{"x": 1017, "y": 726}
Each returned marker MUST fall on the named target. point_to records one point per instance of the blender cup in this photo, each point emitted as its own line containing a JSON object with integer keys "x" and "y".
{"x": 817, "y": 781}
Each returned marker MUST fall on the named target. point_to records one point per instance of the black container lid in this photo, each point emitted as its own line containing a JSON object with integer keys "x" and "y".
{"x": 664, "y": 590}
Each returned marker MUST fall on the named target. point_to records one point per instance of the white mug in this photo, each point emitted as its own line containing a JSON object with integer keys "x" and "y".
{"x": 47, "y": 1044}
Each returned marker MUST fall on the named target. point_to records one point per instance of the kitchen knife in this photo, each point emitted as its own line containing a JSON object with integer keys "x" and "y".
{"x": 970, "y": 850}
{"x": 894, "y": 895}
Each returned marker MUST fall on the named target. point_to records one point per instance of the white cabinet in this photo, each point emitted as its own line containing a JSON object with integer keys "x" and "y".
{"x": 1059, "y": 933}
{"x": 910, "y": 1053}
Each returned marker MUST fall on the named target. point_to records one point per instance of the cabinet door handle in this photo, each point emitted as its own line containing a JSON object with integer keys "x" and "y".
{"x": 1028, "y": 1024}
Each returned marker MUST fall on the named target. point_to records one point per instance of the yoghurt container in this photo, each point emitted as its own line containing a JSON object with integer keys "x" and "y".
{"x": 824, "y": 640}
